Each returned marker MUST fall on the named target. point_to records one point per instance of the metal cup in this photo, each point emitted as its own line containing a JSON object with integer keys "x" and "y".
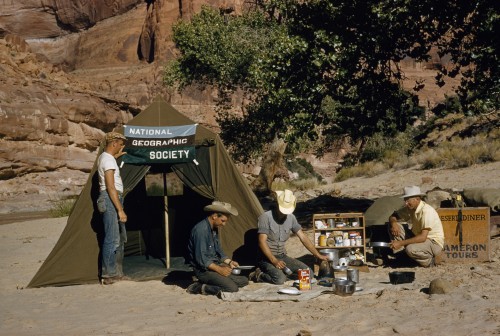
{"x": 353, "y": 275}
{"x": 287, "y": 270}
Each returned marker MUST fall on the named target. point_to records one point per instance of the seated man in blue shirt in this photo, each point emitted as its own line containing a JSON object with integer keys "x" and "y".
{"x": 211, "y": 266}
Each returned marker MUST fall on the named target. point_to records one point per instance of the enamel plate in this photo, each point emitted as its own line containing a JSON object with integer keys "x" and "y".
{"x": 289, "y": 291}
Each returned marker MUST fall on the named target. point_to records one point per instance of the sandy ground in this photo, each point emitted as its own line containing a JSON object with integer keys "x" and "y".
{"x": 156, "y": 308}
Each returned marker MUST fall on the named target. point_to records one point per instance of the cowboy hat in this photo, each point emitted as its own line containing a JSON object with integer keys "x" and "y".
{"x": 412, "y": 191}
{"x": 221, "y": 207}
{"x": 286, "y": 201}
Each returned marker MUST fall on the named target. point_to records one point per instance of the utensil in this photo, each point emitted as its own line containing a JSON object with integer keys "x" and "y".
{"x": 287, "y": 271}
{"x": 401, "y": 277}
{"x": 289, "y": 291}
{"x": 245, "y": 267}
{"x": 344, "y": 287}
{"x": 236, "y": 271}
{"x": 380, "y": 244}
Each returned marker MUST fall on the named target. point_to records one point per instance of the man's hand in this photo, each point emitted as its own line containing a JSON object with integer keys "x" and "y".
{"x": 322, "y": 257}
{"x": 279, "y": 264}
{"x": 224, "y": 270}
{"x": 396, "y": 244}
{"x": 120, "y": 153}
{"x": 395, "y": 230}
{"x": 122, "y": 216}
{"x": 233, "y": 264}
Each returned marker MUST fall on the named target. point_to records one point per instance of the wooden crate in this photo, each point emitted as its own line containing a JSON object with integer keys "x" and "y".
{"x": 475, "y": 245}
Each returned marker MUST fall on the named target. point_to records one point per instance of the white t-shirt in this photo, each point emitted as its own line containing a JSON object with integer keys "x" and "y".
{"x": 105, "y": 162}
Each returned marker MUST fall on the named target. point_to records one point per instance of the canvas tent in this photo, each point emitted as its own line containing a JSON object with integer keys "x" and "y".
{"x": 74, "y": 259}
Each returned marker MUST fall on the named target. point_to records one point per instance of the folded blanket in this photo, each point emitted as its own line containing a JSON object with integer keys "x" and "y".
{"x": 257, "y": 292}
{"x": 266, "y": 292}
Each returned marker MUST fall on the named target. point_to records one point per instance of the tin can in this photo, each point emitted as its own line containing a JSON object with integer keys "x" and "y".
{"x": 359, "y": 241}
{"x": 353, "y": 275}
{"x": 322, "y": 240}
{"x": 339, "y": 241}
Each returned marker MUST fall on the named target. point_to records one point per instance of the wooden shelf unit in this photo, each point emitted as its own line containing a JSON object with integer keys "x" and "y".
{"x": 345, "y": 217}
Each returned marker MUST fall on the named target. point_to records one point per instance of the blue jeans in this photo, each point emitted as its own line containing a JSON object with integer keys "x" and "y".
{"x": 115, "y": 237}
{"x": 215, "y": 283}
{"x": 276, "y": 276}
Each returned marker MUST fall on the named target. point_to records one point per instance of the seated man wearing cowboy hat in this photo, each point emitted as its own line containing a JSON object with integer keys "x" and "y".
{"x": 211, "y": 266}
{"x": 425, "y": 241}
{"x": 275, "y": 227}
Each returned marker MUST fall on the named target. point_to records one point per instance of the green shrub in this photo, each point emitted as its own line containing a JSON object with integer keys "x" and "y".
{"x": 305, "y": 184}
{"x": 368, "y": 169}
{"x": 62, "y": 207}
{"x": 281, "y": 185}
{"x": 299, "y": 184}
{"x": 460, "y": 153}
{"x": 303, "y": 168}
{"x": 454, "y": 154}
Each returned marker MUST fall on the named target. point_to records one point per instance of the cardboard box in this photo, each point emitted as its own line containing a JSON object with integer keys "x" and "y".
{"x": 475, "y": 243}
{"x": 304, "y": 279}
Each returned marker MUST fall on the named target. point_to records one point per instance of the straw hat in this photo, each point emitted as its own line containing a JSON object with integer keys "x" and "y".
{"x": 286, "y": 201}
{"x": 412, "y": 191}
{"x": 114, "y": 136}
{"x": 221, "y": 207}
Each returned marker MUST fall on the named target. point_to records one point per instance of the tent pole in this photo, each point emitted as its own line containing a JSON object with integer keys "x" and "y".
{"x": 167, "y": 246}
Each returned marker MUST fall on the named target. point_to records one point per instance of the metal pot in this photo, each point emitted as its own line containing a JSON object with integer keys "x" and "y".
{"x": 344, "y": 287}
{"x": 332, "y": 254}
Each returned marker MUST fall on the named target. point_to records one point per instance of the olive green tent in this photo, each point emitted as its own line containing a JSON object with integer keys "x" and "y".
{"x": 212, "y": 176}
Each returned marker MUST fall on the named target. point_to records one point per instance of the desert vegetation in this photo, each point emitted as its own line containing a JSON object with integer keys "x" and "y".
{"x": 62, "y": 207}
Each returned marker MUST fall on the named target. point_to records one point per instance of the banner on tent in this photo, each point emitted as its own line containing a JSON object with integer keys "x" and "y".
{"x": 170, "y": 144}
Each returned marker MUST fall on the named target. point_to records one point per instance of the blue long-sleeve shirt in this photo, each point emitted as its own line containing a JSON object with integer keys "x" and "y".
{"x": 204, "y": 246}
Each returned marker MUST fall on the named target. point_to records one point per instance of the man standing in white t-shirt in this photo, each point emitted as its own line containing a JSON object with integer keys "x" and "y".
{"x": 110, "y": 205}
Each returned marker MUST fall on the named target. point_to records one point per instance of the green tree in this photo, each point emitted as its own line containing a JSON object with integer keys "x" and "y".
{"x": 315, "y": 70}
{"x": 472, "y": 42}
